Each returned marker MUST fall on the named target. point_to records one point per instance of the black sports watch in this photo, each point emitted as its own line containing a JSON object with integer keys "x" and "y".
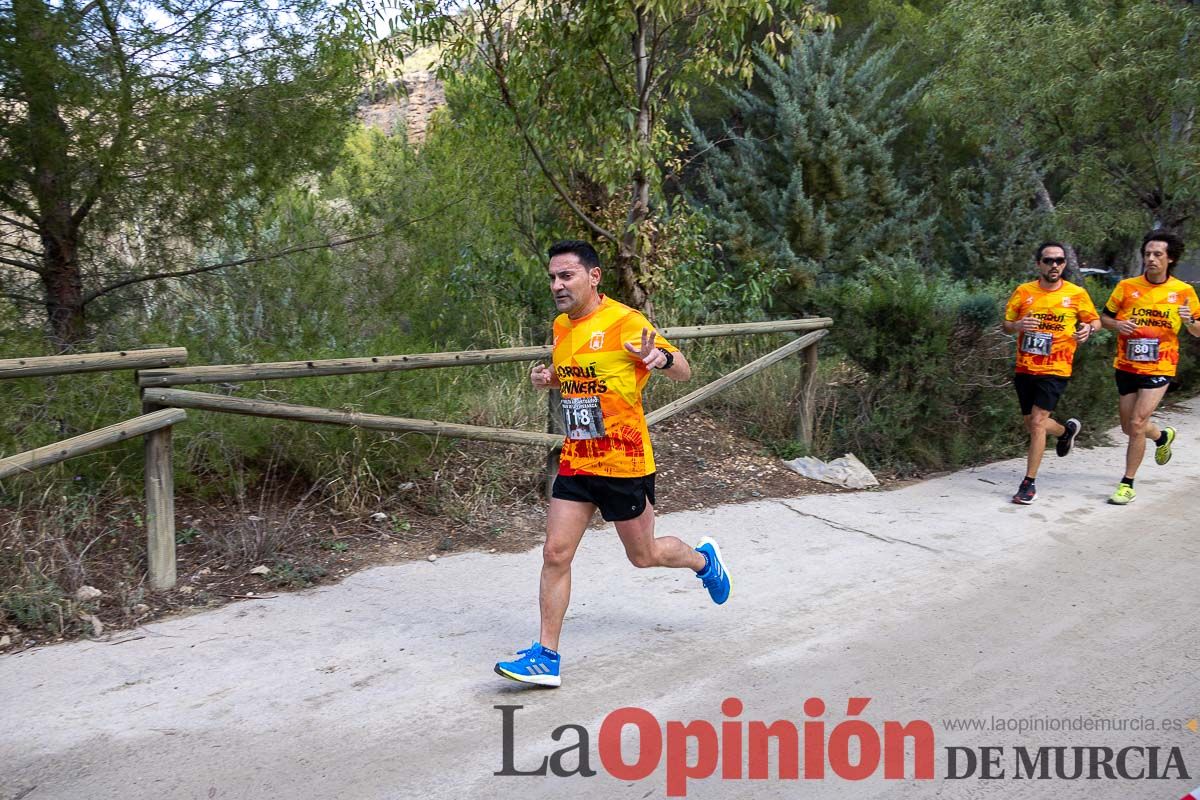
{"x": 670, "y": 360}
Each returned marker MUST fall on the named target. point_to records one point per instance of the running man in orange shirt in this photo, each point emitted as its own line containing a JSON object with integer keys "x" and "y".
{"x": 1147, "y": 313}
{"x": 604, "y": 353}
{"x": 1051, "y": 318}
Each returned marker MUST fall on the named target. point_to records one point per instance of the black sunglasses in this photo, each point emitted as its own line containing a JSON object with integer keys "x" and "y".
{"x": 1048, "y": 261}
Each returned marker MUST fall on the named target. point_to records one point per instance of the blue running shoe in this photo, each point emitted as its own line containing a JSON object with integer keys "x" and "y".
{"x": 537, "y": 665}
{"x": 714, "y": 577}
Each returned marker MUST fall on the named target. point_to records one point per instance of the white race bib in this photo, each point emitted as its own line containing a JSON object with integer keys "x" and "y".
{"x": 1037, "y": 344}
{"x": 582, "y": 417}
{"x": 1141, "y": 350}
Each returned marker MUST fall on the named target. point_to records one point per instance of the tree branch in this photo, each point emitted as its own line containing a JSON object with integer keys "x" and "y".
{"x": 124, "y": 112}
{"x": 23, "y": 249}
{"x": 19, "y": 206}
{"x": 1153, "y": 150}
{"x": 650, "y": 56}
{"x": 183, "y": 273}
{"x": 1127, "y": 181}
{"x": 612, "y": 78}
{"x": 300, "y": 248}
{"x": 25, "y": 265}
{"x": 640, "y": 201}
{"x": 641, "y": 59}
{"x": 171, "y": 33}
{"x": 22, "y": 298}
{"x": 506, "y": 97}
{"x": 18, "y": 224}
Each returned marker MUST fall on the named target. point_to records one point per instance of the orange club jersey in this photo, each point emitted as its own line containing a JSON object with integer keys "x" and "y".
{"x": 1153, "y": 349}
{"x": 601, "y": 384}
{"x": 1050, "y": 350}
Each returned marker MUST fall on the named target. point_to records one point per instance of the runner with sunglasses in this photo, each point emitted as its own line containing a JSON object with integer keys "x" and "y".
{"x": 1147, "y": 313}
{"x": 1051, "y": 317}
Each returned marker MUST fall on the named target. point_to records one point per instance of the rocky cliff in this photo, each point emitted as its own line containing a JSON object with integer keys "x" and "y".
{"x": 404, "y": 105}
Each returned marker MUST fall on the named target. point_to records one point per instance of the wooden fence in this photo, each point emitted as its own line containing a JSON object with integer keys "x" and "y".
{"x": 156, "y": 383}
{"x": 155, "y": 427}
{"x": 162, "y": 405}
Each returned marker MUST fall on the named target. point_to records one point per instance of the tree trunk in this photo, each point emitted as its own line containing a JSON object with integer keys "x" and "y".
{"x": 1133, "y": 267}
{"x": 63, "y": 283}
{"x": 46, "y": 139}
{"x": 1046, "y": 204}
{"x": 629, "y": 285}
{"x": 630, "y": 278}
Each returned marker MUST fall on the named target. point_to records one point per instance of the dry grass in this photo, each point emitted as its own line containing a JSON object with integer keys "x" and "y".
{"x": 267, "y": 531}
{"x": 54, "y": 546}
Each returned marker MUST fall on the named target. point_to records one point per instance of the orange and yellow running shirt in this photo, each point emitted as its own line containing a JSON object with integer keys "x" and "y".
{"x": 1153, "y": 349}
{"x": 1050, "y": 349}
{"x": 601, "y": 384}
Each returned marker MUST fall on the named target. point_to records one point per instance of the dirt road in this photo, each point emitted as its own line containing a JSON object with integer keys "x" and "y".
{"x": 941, "y": 602}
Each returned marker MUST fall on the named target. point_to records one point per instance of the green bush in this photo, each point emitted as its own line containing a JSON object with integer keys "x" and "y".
{"x": 931, "y": 380}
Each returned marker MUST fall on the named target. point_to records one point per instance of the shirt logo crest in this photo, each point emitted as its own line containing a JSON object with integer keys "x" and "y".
{"x": 1066, "y": 302}
{"x": 597, "y": 340}
{"x": 1173, "y": 297}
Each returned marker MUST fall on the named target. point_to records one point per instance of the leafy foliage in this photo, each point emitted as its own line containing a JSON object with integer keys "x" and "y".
{"x": 932, "y": 384}
{"x": 588, "y": 87}
{"x": 1104, "y": 93}
{"x": 988, "y": 220}
{"x": 132, "y": 126}
{"x": 804, "y": 188}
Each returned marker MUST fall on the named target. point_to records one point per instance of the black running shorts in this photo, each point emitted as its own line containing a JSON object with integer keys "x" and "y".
{"x": 1130, "y": 382}
{"x": 618, "y": 499}
{"x": 1042, "y": 391}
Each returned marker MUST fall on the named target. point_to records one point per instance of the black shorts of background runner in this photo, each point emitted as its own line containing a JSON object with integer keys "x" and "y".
{"x": 1042, "y": 391}
{"x": 1130, "y": 382}
{"x": 618, "y": 499}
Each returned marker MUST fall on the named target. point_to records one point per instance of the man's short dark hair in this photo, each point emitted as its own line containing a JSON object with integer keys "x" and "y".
{"x": 582, "y": 250}
{"x": 1042, "y": 248}
{"x": 1174, "y": 245}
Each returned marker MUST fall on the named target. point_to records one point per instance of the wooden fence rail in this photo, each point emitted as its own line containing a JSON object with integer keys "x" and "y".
{"x": 87, "y": 442}
{"x": 224, "y": 373}
{"x": 737, "y": 376}
{"x": 162, "y": 406}
{"x": 92, "y": 362}
{"x": 181, "y": 398}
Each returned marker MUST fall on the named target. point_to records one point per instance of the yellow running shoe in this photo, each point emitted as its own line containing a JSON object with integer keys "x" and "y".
{"x": 1162, "y": 453}
{"x": 1123, "y": 496}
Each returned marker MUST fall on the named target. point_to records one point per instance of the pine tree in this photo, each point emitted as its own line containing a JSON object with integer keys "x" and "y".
{"x": 992, "y": 211}
{"x": 803, "y": 186}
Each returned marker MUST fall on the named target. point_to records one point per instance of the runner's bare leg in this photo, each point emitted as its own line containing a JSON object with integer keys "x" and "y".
{"x": 565, "y": 523}
{"x": 1135, "y": 421}
{"x": 644, "y": 550}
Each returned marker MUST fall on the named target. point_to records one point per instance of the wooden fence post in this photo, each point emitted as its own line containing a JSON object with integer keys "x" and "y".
{"x": 160, "y": 506}
{"x": 554, "y": 424}
{"x": 808, "y": 391}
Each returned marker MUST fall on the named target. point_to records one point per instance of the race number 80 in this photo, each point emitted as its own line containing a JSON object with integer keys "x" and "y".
{"x": 1141, "y": 350}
